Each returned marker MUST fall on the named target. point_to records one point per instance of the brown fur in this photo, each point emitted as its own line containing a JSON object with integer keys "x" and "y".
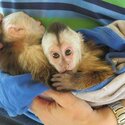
{"x": 24, "y": 55}
{"x": 24, "y": 59}
{"x": 91, "y": 69}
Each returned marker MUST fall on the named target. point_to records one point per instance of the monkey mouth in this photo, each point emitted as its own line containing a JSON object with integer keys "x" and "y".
{"x": 67, "y": 71}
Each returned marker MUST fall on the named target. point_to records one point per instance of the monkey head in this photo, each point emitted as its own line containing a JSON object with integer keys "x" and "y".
{"x": 63, "y": 47}
{"x": 19, "y": 26}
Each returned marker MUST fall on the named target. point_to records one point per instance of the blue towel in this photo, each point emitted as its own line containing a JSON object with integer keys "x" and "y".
{"x": 17, "y": 92}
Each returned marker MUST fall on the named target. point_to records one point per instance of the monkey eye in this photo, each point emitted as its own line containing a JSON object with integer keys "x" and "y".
{"x": 56, "y": 55}
{"x": 68, "y": 52}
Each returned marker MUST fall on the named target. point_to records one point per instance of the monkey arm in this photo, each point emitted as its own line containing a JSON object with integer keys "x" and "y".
{"x": 79, "y": 80}
{"x": 89, "y": 79}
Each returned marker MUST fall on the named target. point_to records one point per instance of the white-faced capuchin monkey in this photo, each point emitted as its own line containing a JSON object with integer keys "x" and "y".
{"x": 80, "y": 64}
{"x": 21, "y": 35}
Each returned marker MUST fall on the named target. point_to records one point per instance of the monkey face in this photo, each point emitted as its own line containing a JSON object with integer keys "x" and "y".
{"x": 63, "y": 50}
{"x": 61, "y": 57}
{"x": 19, "y": 25}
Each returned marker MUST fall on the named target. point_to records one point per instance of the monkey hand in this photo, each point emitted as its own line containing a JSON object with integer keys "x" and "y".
{"x": 64, "y": 81}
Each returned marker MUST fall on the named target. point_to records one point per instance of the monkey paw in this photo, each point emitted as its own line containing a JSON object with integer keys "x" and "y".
{"x": 62, "y": 82}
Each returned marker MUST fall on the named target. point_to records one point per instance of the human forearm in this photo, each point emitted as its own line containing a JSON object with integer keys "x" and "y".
{"x": 104, "y": 116}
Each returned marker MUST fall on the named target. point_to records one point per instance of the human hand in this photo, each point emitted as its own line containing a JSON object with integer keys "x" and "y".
{"x": 66, "y": 109}
{"x": 17, "y": 92}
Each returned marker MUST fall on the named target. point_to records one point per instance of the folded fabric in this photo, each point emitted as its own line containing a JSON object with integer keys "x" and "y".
{"x": 112, "y": 89}
{"x": 18, "y": 92}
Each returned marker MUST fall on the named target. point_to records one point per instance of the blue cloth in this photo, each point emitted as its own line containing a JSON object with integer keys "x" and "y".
{"x": 105, "y": 36}
{"x": 18, "y": 92}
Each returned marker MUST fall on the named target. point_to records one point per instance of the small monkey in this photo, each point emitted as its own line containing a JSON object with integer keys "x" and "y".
{"x": 80, "y": 64}
{"x": 64, "y": 51}
{"x": 21, "y": 35}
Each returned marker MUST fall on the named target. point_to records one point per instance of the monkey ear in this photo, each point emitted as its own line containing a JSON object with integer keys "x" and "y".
{"x": 16, "y": 32}
{"x": 1, "y": 17}
{"x": 81, "y": 35}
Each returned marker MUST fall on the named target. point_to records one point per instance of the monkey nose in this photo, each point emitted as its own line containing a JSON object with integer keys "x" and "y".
{"x": 63, "y": 69}
{"x": 68, "y": 66}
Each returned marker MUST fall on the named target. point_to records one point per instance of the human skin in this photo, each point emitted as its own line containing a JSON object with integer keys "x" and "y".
{"x": 66, "y": 109}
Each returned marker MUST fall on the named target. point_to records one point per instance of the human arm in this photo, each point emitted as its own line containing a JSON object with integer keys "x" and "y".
{"x": 70, "y": 110}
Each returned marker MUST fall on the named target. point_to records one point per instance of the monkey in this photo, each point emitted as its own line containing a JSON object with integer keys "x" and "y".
{"x": 21, "y": 35}
{"x": 79, "y": 64}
